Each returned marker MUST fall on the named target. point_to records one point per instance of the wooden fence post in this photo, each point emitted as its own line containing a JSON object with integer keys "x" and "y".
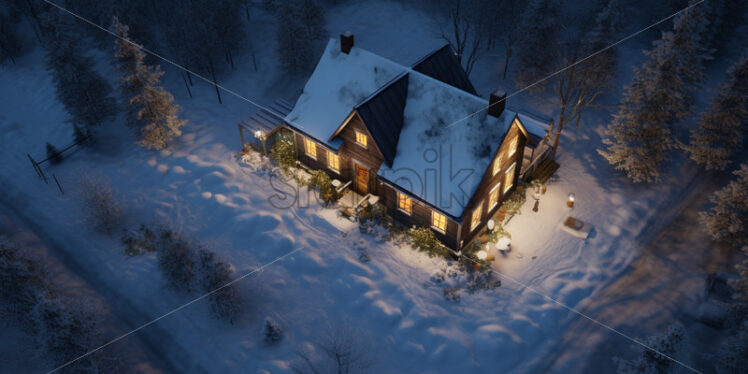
{"x": 58, "y": 184}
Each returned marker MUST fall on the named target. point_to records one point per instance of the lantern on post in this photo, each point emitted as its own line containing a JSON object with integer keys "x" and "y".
{"x": 261, "y": 135}
{"x": 570, "y": 200}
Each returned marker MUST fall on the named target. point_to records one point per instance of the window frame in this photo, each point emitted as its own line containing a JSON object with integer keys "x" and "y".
{"x": 473, "y": 222}
{"x": 498, "y": 196}
{"x": 497, "y": 163}
{"x": 434, "y": 216}
{"x": 363, "y": 136}
{"x": 510, "y": 169}
{"x": 408, "y": 203}
{"x": 513, "y": 146}
{"x": 331, "y": 154}
{"x": 310, "y": 143}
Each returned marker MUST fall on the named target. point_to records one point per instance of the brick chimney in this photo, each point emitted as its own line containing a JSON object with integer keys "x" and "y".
{"x": 497, "y": 103}
{"x": 346, "y": 42}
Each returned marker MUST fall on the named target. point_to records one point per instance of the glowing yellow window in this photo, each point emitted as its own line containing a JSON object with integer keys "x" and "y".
{"x": 310, "y": 147}
{"x": 509, "y": 177}
{"x": 497, "y": 163}
{"x": 404, "y": 203}
{"x": 333, "y": 161}
{"x": 361, "y": 138}
{"x": 438, "y": 221}
{"x": 493, "y": 197}
{"x": 513, "y": 145}
{"x": 475, "y": 220}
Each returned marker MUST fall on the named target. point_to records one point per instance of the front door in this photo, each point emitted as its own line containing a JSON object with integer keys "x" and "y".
{"x": 362, "y": 179}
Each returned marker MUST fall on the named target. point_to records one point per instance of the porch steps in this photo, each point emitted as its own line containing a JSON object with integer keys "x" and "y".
{"x": 545, "y": 170}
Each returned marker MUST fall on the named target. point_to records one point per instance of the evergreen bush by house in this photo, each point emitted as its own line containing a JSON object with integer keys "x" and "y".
{"x": 424, "y": 239}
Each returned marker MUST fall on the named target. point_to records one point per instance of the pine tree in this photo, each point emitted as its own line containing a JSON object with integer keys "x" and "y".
{"x": 740, "y": 284}
{"x": 10, "y": 41}
{"x": 299, "y": 26}
{"x": 722, "y": 128}
{"x": 639, "y": 139}
{"x": 535, "y": 50}
{"x": 727, "y": 220}
{"x": 150, "y": 106}
{"x": 83, "y": 92}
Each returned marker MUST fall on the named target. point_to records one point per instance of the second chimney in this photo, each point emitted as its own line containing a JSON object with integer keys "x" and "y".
{"x": 346, "y": 42}
{"x": 497, "y": 103}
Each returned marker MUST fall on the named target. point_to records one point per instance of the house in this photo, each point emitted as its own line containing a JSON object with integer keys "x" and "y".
{"x": 418, "y": 137}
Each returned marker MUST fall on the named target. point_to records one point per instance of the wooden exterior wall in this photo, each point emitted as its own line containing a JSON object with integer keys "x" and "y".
{"x": 489, "y": 181}
{"x": 456, "y": 234}
{"x": 348, "y": 153}
{"x": 420, "y": 214}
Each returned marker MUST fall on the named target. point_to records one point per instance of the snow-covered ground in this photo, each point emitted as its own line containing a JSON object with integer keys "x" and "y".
{"x": 199, "y": 187}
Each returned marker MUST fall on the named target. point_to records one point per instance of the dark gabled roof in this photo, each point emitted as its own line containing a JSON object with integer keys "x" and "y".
{"x": 382, "y": 113}
{"x": 443, "y": 66}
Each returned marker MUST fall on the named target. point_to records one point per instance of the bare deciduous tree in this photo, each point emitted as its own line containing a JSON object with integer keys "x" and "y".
{"x": 342, "y": 350}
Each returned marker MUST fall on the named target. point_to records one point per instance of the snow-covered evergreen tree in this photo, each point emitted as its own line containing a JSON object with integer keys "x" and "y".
{"x": 10, "y": 40}
{"x": 740, "y": 285}
{"x": 536, "y": 48}
{"x": 727, "y": 220}
{"x": 84, "y": 93}
{"x": 722, "y": 128}
{"x": 149, "y": 106}
{"x": 216, "y": 276}
{"x": 639, "y": 138}
{"x": 648, "y": 361}
{"x": 299, "y": 25}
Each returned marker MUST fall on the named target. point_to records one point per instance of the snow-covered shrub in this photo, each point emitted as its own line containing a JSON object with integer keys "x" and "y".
{"x": 176, "y": 259}
{"x": 284, "y": 154}
{"x": 513, "y": 203}
{"x": 273, "y": 331}
{"x": 62, "y": 330}
{"x": 323, "y": 184}
{"x": 648, "y": 361}
{"x": 424, "y": 239}
{"x": 730, "y": 358}
{"x": 98, "y": 199}
{"x": 451, "y": 294}
{"x": 727, "y": 220}
{"x": 216, "y": 277}
{"x": 341, "y": 349}
{"x": 139, "y": 241}
{"x": 22, "y": 284}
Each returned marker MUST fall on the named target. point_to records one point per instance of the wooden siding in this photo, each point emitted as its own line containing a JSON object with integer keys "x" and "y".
{"x": 350, "y": 151}
{"x": 420, "y": 215}
{"x": 480, "y": 198}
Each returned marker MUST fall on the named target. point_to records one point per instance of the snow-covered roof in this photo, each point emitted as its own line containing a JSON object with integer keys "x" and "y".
{"x": 339, "y": 82}
{"x": 438, "y": 163}
{"x": 536, "y": 126}
{"x": 436, "y": 160}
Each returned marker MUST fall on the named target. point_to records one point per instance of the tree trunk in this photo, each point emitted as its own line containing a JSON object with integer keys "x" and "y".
{"x": 215, "y": 83}
{"x": 507, "y": 56}
{"x": 254, "y": 61}
{"x": 189, "y": 76}
{"x": 184, "y": 79}
{"x": 231, "y": 58}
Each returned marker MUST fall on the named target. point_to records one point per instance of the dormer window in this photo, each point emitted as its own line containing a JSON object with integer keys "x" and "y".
{"x": 361, "y": 139}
